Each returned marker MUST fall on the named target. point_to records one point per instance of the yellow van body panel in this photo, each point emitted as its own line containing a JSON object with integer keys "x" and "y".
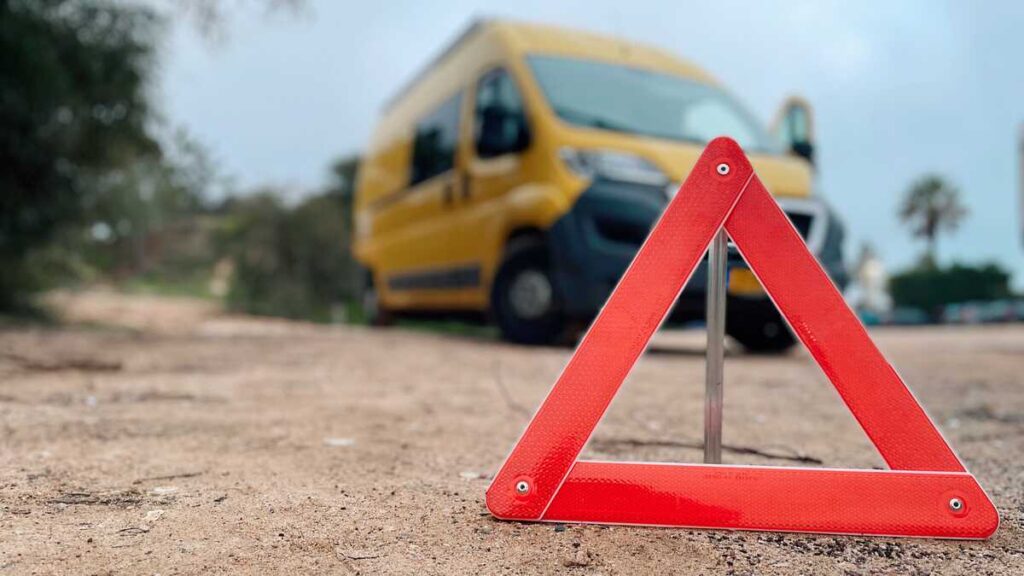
{"x": 462, "y": 220}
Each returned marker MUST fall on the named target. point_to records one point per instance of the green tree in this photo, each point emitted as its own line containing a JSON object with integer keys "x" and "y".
{"x": 342, "y": 183}
{"x": 74, "y": 105}
{"x": 210, "y": 17}
{"x": 932, "y": 205}
{"x": 342, "y": 188}
{"x": 930, "y": 288}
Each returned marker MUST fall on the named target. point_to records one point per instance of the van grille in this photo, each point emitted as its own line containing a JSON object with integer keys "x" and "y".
{"x": 634, "y": 234}
{"x": 802, "y": 222}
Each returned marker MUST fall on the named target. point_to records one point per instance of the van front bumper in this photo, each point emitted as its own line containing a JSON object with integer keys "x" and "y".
{"x": 593, "y": 244}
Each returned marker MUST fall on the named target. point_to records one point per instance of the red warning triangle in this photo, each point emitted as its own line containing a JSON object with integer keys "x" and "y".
{"x": 926, "y": 492}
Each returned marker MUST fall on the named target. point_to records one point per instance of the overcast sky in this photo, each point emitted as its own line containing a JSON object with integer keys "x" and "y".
{"x": 900, "y": 88}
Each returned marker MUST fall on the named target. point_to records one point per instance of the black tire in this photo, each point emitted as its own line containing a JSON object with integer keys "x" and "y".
{"x": 373, "y": 313}
{"x": 542, "y": 325}
{"x": 758, "y": 326}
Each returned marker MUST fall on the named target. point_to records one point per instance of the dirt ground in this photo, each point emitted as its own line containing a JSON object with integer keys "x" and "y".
{"x": 159, "y": 436}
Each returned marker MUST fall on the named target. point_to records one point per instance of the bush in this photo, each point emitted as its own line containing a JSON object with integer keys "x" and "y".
{"x": 930, "y": 288}
{"x": 290, "y": 262}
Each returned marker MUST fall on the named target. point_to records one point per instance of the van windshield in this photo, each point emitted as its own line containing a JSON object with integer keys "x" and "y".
{"x": 636, "y": 101}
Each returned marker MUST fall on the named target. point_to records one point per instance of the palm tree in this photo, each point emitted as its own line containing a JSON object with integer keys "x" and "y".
{"x": 931, "y": 206}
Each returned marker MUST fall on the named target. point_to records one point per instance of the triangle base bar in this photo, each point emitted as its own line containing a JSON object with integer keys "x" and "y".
{"x": 876, "y": 502}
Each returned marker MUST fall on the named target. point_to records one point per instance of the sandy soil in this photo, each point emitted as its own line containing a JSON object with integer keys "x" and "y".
{"x": 160, "y": 436}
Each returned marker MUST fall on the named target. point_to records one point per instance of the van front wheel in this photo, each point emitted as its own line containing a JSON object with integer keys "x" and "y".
{"x": 524, "y": 300}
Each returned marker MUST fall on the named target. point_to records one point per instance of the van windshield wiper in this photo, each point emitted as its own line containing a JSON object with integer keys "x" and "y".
{"x": 590, "y": 119}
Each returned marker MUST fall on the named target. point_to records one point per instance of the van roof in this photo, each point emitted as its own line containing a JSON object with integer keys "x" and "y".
{"x": 526, "y": 38}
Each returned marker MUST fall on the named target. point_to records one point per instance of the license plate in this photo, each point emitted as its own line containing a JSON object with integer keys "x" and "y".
{"x": 742, "y": 282}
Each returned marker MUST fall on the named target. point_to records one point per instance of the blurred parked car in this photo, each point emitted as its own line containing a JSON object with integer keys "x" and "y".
{"x": 1002, "y": 311}
{"x": 903, "y": 316}
{"x": 984, "y": 312}
{"x": 518, "y": 175}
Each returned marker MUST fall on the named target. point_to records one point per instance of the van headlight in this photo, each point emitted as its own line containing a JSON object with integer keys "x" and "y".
{"x": 609, "y": 165}
{"x": 810, "y": 217}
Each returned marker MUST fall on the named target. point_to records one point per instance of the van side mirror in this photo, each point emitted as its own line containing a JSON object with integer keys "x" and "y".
{"x": 501, "y": 131}
{"x": 794, "y": 127}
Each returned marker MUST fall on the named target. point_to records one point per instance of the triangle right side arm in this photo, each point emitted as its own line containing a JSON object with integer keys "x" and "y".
{"x": 883, "y": 405}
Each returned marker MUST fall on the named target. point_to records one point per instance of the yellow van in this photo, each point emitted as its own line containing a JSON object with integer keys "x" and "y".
{"x": 516, "y": 177}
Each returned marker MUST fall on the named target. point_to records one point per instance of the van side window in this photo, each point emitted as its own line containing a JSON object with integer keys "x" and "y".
{"x": 499, "y": 120}
{"x": 437, "y": 135}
